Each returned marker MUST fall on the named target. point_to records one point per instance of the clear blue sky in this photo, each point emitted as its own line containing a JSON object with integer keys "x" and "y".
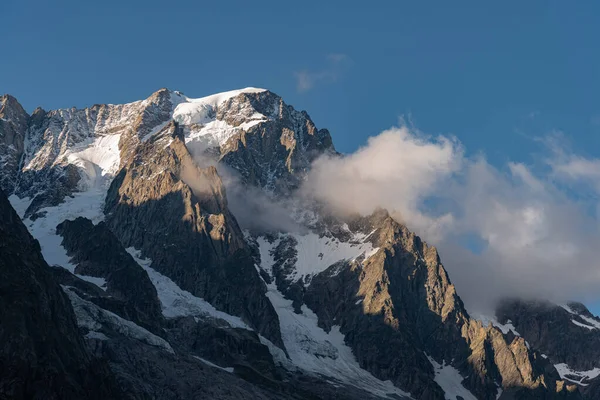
{"x": 495, "y": 74}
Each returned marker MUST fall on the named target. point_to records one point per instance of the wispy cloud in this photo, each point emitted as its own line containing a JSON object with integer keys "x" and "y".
{"x": 331, "y": 72}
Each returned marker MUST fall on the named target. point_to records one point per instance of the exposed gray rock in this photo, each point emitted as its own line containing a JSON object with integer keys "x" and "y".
{"x": 42, "y": 170}
{"x": 13, "y": 127}
{"x": 275, "y": 154}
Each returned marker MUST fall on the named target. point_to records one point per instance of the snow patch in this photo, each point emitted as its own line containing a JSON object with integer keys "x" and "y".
{"x": 505, "y": 328}
{"x": 20, "y": 205}
{"x": 568, "y": 309}
{"x": 591, "y": 328}
{"x": 177, "y": 302}
{"x": 227, "y": 369}
{"x": 450, "y": 380}
{"x": 83, "y": 204}
{"x": 98, "y": 160}
{"x": 155, "y": 130}
{"x": 202, "y": 113}
{"x": 92, "y": 317}
{"x": 593, "y": 323}
{"x": 100, "y": 282}
{"x": 96, "y": 335}
{"x": 576, "y": 376}
{"x": 317, "y": 253}
{"x": 590, "y": 321}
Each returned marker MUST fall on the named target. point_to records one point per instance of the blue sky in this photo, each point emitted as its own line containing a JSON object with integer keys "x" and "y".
{"x": 497, "y": 76}
{"x": 494, "y": 75}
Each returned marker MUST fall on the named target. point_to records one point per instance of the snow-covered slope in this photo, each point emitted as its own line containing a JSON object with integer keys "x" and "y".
{"x": 449, "y": 379}
{"x": 311, "y": 348}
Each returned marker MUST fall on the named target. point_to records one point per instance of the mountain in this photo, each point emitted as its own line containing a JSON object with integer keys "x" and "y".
{"x": 42, "y": 354}
{"x": 195, "y": 267}
{"x": 567, "y": 335}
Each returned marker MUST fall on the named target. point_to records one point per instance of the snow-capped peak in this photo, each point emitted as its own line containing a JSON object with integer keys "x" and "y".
{"x": 218, "y": 98}
{"x": 190, "y": 111}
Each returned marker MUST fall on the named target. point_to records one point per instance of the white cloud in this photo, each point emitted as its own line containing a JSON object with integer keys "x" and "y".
{"x": 579, "y": 169}
{"x": 537, "y": 238}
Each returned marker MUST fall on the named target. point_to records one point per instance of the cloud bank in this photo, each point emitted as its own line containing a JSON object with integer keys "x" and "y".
{"x": 501, "y": 232}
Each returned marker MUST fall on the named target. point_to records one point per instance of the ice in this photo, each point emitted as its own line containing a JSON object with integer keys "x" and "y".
{"x": 450, "y": 380}
{"x": 193, "y": 113}
{"x": 85, "y": 204}
{"x": 214, "y": 133}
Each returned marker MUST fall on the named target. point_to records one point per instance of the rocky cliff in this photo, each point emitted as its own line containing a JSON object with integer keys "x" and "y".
{"x": 567, "y": 335}
{"x": 42, "y": 355}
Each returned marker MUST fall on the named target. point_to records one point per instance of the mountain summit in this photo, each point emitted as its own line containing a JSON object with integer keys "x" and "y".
{"x": 132, "y": 208}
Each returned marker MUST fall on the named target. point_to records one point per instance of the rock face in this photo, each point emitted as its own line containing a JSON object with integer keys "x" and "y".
{"x": 42, "y": 355}
{"x": 96, "y": 252}
{"x": 275, "y": 154}
{"x": 187, "y": 229}
{"x": 179, "y": 301}
{"x": 71, "y": 150}
{"x": 568, "y": 336}
{"x": 13, "y": 126}
{"x": 400, "y": 314}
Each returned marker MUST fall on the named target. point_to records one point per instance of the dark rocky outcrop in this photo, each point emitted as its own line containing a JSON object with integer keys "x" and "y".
{"x": 42, "y": 355}
{"x": 176, "y": 213}
{"x": 553, "y": 330}
{"x": 96, "y": 252}
{"x": 146, "y": 372}
{"x": 221, "y": 344}
{"x": 564, "y": 334}
{"x": 275, "y": 154}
